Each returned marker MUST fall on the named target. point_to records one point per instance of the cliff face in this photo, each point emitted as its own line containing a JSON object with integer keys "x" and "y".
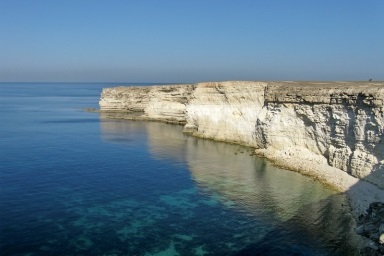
{"x": 226, "y": 111}
{"x": 317, "y": 128}
{"x": 343, "y": 122}
{"x": 165, "y": 103}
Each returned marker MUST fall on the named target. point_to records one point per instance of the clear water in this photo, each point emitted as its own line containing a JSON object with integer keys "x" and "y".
{"x": 75, "y": 183}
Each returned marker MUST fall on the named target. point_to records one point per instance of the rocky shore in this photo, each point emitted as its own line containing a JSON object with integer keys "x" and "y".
{"x": 331, "y": 131}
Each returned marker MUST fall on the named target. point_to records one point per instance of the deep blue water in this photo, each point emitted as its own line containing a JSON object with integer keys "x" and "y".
{"x": 75, "y": 183}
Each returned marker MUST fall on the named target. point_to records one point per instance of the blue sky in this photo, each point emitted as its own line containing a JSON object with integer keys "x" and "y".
{"x": 191, "y": 40}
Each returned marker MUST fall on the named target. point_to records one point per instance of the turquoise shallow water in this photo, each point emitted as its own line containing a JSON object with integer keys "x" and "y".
{"x": 75, "y": 183}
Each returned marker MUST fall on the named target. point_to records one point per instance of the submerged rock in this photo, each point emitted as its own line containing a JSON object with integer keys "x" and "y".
{"x": 371, "y": 226}
{"x": 91, "y": 110}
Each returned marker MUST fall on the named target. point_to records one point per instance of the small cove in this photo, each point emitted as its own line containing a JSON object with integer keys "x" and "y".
{"x": 75, "y": 183}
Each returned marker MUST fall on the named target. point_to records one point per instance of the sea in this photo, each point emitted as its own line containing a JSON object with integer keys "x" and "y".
{"x": 77, "y": 183}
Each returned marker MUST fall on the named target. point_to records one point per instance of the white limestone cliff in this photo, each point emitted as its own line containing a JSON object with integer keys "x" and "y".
{"x": 333, "y": 131}
{"x": 159, "y": 103}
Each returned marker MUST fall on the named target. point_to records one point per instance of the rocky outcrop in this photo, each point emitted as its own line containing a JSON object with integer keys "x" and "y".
{"x": 318, "y": 128}
{"x": 165, "y": 103}
{"x": 371, "y": 226}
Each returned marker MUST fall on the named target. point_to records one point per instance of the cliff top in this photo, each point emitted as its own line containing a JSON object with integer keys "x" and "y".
{"x": 327, "y": 92}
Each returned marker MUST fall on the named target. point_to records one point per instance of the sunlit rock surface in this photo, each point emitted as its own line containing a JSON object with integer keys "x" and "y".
{"x": 165, "y": 103}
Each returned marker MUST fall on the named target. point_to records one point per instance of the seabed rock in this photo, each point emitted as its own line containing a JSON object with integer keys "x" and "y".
{"x": 371, "y": 226}
{"x": 91, "y": 110}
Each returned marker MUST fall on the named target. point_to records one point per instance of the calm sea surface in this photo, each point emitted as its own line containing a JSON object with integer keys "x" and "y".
{"x": 75, "y": 183}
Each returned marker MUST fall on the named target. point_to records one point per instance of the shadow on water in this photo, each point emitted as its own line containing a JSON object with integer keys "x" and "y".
{"x": 299, "y": 216}
{"x": 331, "y": 221}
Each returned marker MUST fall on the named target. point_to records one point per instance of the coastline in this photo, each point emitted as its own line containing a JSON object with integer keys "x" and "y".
{"x": 331, "y": 131}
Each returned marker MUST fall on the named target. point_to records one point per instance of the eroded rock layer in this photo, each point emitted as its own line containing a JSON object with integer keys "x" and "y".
{"x": 314, "y": 127}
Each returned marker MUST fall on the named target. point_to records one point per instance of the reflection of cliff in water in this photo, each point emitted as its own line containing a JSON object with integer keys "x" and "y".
{"x": 255, "y": 187}
{"x": 252, "y": 186}
{"x": 120, "y": 131}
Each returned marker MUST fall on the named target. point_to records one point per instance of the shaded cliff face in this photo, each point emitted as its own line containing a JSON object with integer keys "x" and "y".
{"x": 316, "y": 128}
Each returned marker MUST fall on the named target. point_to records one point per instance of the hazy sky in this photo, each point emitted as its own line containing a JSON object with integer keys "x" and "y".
{"x": 191, "y": 40}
